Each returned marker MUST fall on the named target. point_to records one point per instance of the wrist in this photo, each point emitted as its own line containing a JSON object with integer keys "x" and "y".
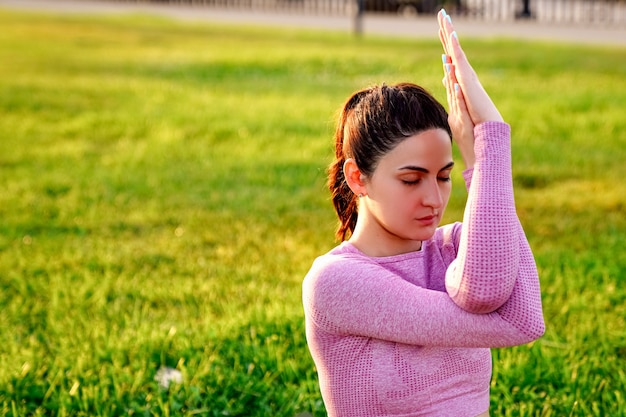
{"x": 468, "y": 161}
{"x": 491, "y": 138}
{"x": 468, "y": 155}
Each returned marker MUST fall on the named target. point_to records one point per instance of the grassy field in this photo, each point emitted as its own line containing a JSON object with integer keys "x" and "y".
{"x": 162, "y": 196}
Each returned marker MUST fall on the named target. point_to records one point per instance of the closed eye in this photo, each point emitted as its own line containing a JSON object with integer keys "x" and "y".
{"x": 443, "y": 174}
{"x": 417, "y": 181}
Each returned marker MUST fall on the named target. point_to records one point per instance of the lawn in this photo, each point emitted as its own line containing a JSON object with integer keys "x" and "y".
{"x": 162, "y": 196}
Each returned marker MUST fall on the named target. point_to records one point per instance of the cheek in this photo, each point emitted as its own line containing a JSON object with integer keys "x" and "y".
{"x": 395, "y": 201}
{"x": 446, "y": 191}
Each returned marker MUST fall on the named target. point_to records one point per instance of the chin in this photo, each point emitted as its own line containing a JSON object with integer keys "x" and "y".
{"x": 425, "y": 234}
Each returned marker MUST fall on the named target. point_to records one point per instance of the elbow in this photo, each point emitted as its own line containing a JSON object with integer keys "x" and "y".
{"x": 487, "y": 304}
{"x": 480, "y": 303}
{"x": 530, "y": 331}
{"x": 484, "y": 294}
{"x": 529, "y": 336}
{"x": 539, "y": 329}
{"x": 534, "y": 324}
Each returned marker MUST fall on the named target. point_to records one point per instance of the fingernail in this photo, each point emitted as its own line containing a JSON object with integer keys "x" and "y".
{"x": 443, "y": 12}
{"x": 456, "y": 87}
{"x": 449, "y": 18}
{"x": 455, "y": 35}
{"x": 448, "y": 67}
{"x": 444, "y": 58}
{"x": 443, "y": 81}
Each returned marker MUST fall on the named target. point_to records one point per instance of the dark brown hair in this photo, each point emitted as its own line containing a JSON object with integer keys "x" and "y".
{"x": 371, "y": 123}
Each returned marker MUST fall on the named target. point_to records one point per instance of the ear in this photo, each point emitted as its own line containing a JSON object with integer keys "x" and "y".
{"x": 354, "y": 177}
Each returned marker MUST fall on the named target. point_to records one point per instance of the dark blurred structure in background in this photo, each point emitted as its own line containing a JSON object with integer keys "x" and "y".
{"x": 597, "y": 12}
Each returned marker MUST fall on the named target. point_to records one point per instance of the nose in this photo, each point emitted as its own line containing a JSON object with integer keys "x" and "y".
{"x": 432, "y": 197}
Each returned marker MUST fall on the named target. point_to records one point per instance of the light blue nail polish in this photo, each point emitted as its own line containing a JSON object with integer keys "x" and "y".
{"x": 443, "y": 12}
{"x": 449, "y": 18}
{"x": 448, "y": 67}
{"x": 456, "y": 87}
{"x": 455, "y": 35}
{"x": 444, "y": 58}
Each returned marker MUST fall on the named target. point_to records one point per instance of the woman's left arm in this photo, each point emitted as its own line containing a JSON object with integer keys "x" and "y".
{"x": 482, "y": 277}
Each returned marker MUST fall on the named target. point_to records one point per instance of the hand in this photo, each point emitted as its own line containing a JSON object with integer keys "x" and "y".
{"x": 468, "y": 102}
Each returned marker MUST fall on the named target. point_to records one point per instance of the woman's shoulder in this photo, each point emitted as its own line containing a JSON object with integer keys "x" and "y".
{"x": 341, "y": 267}
{"x": 446, "y": 240}
{"x": 342, "y": 261}
{"x": 340, "y": 257}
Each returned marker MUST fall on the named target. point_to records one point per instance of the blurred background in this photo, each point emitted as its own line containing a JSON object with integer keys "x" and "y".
{"x": 162, "y": 194}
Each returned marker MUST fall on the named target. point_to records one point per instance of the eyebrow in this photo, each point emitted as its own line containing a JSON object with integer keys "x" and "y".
{"x": 424, "y": 170}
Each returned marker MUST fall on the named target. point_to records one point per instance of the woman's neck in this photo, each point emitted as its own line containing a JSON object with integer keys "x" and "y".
{"x": 377, "y": 242}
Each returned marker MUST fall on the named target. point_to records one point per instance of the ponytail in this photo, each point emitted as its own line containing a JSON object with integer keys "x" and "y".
{"x": 344, "y": 200}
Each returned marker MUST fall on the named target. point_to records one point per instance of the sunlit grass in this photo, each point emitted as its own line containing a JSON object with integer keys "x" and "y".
{"x": 163, "y": 196}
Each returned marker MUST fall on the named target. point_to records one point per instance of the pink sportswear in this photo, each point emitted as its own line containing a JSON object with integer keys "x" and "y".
{"x": 409, "y": 335}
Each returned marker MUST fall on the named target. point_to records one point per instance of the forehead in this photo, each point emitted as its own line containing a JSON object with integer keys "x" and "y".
{"x": 431, "y": 149}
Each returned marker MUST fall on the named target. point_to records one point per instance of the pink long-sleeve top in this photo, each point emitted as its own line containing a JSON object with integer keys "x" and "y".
{"x": 409, "y": 335}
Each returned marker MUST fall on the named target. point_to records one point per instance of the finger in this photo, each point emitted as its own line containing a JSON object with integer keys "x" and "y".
{"x": 449, "y": 79}
{"x": 450, "y": 72}
{"x": 451, "y": 41}
{"x": 444, "y": 21}
{"x": 457, "y": 54}
{"x": 442, "y": 13}
{"x": 464, "y": 70}
{"x": 449, "y": 92}
{"x": 442, "y": 16}
{"x": 457, "y": 108}
{"x": 445, "y": 25}
{"x": 460, "y": 99}
{"x": 464, "y": 73}
{"x": 475, "y": 99}
{"x": 447, "y": 64}
{"x": 453, "y": 105}
{"x": 444, "y": 42}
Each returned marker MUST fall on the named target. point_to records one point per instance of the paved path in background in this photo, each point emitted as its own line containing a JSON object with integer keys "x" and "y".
{"x": 416, "y": 27}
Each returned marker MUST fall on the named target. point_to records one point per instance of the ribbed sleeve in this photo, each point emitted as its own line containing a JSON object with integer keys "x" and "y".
{"x": 482, "y": 277}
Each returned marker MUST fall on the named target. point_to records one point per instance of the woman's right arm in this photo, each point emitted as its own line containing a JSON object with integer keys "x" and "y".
{"x": 349, "y": 296}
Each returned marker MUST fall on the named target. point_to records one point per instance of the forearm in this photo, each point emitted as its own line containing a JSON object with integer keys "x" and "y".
{"x": 482, "y": 277}
{"x": 466, "y": 149}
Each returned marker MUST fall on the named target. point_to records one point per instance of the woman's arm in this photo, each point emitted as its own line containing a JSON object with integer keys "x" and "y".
{"x": 356, "y": 297}
{"x": 482, "y": 277}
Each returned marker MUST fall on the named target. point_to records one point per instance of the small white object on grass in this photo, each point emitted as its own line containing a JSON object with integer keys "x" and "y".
{"x": 166, "y": 375}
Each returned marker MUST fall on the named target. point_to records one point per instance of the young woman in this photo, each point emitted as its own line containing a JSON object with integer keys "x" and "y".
{"x": 400, "y": 317}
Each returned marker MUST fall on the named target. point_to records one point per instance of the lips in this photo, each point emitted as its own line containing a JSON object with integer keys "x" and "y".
{"x": 427, "y": 220}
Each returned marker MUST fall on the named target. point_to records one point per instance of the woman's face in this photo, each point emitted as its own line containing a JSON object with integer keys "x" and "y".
{"x": 409, "y": 190}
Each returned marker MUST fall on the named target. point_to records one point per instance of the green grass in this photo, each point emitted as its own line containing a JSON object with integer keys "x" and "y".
{"x": 162, "y": 196}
